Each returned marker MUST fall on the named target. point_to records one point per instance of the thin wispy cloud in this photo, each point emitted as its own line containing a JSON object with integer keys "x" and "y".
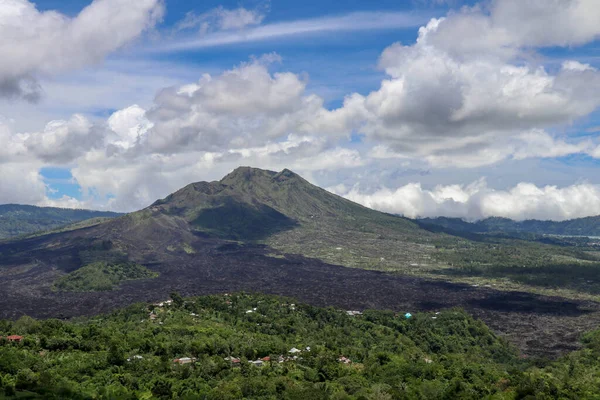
{"x": 221, "y": 19}
{"x": 358, "y": 21}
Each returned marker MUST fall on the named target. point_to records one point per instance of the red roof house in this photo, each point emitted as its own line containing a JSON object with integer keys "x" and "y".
{"x": 15, "y": 338}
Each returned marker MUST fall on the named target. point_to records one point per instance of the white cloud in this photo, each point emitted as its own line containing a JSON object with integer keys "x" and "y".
{"x": 246, "y": 115}
{"x": 21, "y": 183}
{"x": 134, "y": 180}
{"x": 68, "y": 202}
{"x": 505, "y": 27}
{"x": 491, "y": 148}
{"x": 240, "y": 108}
{"x": 221, "y": 19}
{"x": 477, "y": 200}
{"x": 129, "y": 125}
{"x": 63, "y": 141}
{"x": 34, "y": 42}
{"x": 548, "y": 23}
{"x": 459, "y": 97}
{"x": 537, "y": 143}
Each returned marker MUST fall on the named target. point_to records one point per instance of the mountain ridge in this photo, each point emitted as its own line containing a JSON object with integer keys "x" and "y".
{"x": 17, "y": 219}
{"x": 586, "y": 226}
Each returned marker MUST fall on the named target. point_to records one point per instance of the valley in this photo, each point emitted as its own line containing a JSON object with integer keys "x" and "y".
{"x": 265, "y": 232}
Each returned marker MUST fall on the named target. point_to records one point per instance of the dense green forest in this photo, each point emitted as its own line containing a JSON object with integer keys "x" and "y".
{"x": 265, "y": 347}
{"x": 16, "y": 220}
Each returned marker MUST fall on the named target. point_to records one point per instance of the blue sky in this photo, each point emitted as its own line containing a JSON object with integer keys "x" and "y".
{"x": 337, "y": 63}
{"x": 475, "y": 119}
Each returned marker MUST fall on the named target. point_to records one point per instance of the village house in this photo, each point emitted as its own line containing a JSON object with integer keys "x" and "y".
{"x": 234, "y": 361}
{"x": 163, "y": 303}
{"x": 184, "y": 360}
{"x": 345, "y": 360}
{"x": 353, "y": 313}
{"x": 14, "y": 338}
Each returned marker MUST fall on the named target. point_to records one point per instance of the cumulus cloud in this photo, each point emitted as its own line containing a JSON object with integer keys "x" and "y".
{"x": 463, "y": 91}
{"x": 506, "y": 27}
{"x": 33, "y": 42}
{"x": 134, "y": 180}
{"x": 63, "y": 141}
{"x": 547, "y": 23}
{"x": 247, "y": 115}
{"x": 128, "y": 126}
{"x": 240, "y": 108}
{"x": 477, "y": 201}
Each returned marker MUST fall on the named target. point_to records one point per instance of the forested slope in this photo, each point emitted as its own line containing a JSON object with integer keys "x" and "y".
{"x": 138, "y": 353}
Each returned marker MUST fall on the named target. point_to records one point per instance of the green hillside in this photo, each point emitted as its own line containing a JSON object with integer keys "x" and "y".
{"x": 288, "y": 213}
{"x": 17, "y": 220}
{"x": 377, "y": 355}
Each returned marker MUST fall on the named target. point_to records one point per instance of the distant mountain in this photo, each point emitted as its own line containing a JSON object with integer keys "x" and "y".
{"x": 589, "y": 226}
{"x": 17, "y": 220}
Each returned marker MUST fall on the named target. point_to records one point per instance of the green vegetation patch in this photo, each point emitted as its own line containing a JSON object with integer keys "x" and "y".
{"x": 102, "y": 276}
{"x": 265, "y": 347}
